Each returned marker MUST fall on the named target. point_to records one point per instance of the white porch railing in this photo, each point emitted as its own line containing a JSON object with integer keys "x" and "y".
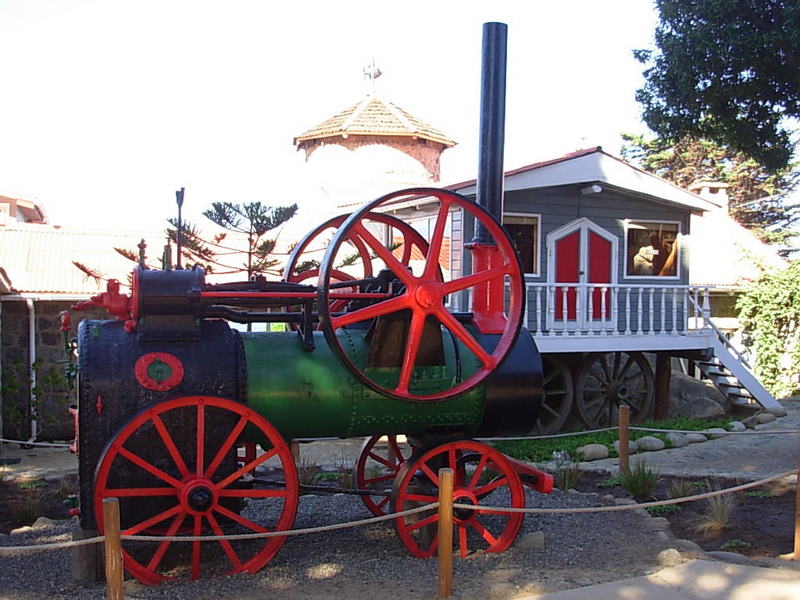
{"x": 571, "y": 309}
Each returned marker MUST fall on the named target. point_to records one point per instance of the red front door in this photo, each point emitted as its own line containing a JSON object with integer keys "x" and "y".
{"x": 583, "y": 255}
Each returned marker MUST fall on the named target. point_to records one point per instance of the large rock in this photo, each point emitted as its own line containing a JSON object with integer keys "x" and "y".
{"x": 690, "y": 397}
{"x": 649, "y": 443}
{"x": 669, "y": 558}
{"x": 632, "y": 447}
{"x": 593, "y": 451}
{"x": 678, "y": 440}
{"x": 765, "y": 417}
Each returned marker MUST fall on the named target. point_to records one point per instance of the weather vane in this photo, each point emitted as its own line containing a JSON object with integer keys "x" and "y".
{"x": 371, "y": 72}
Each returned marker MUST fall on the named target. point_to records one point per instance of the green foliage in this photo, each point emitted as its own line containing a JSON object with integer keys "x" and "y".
{"x": 660, "y": 511}
{"x": 542, "y": 450}
{"x": 567, "y": 474}
{"x": 252, "y": 220}
{"x": 610, "y": 482}
{"x": 718, "y": 516}
{"x": 725, "y": 70}
{"x": 640, "y": 481}
{"x": 736, "y": 543}
{"x": 680, "y": 488}
{"x": 759, "y": 494}
{"x": 757, "y": 197}
{"x": 769, "y": 316}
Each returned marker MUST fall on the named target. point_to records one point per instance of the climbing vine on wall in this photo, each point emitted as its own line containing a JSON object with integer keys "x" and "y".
{"x": 769, "y": 313}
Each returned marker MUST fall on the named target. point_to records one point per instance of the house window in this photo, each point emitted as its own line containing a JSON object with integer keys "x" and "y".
{"x": 651, "y": 249}
{"x": 524, "y": 233}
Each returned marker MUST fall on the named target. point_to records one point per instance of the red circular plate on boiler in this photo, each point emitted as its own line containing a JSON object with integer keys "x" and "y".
{"x": 158, "y": 371}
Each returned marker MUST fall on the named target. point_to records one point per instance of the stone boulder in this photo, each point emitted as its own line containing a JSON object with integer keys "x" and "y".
{"x": 632, "y": 447}
{"x": 678, "y": 440}
{"x": 690, "y": 397}
{"x": 649, "y": 443}
{"x": 593, "y": 451}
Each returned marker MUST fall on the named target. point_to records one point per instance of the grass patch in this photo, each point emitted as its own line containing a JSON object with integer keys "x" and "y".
{"x": 667, "y": 509}
{"x": 736, "y": 543}
{"x": 610, "y": 482}
{"x": 640, "y": 481}
{"x": 718, "y": 516}
{"x": 542, "y": 450}
{"x": 759, "y": 494}
{"x": 681, "y": 488}
{"x": 567, "y": 474}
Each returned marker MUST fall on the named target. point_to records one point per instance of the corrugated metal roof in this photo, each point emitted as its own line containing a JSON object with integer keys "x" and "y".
{"x": 39, "y": 258}
{"x": 374, "y": 116}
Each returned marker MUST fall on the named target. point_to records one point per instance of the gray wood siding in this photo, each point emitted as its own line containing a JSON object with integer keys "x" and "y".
{"x": 608, "y": 209}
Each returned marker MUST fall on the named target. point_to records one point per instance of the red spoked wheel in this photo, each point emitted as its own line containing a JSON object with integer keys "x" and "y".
{"x": 483, "y": 477}
{"x": 420, "y": 289}
{"x": 376, "y": 469}
{"x": 356, "y": 258}
{"x": 176, "y": 472}
{"x": 404, "y": 240}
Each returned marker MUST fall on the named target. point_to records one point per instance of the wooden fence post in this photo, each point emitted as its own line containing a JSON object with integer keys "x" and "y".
{"x": 113, "y": 550}
{"x": 797, "y": 512}
{"x": 624, "y": 421}
{"x": 445, "y": 548}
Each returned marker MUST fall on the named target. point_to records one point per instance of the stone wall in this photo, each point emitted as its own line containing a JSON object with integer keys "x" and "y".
{"x": 53, "y": 393}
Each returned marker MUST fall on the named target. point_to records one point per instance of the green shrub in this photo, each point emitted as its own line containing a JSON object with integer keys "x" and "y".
{"x": 640, "y": 481}
{"x": 667, "y": 509}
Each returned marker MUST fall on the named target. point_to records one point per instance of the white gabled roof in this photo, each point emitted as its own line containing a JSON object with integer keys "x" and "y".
{"x": 593, "y": 165}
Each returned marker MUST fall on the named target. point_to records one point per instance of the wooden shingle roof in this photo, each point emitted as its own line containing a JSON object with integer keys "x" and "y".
{"x": 373, "y": 116}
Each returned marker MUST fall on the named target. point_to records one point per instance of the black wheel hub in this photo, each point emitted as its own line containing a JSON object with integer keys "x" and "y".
{"x": 200, "y": 499}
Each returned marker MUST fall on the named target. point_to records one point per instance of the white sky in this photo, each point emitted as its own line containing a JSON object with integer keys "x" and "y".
{"x": 107, "y": 107}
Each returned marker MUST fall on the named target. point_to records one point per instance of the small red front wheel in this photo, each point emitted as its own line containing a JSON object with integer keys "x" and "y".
{"x": 176, "y": 471}
{"x": 483, "y": 477}
{"x": 378, "y": 464}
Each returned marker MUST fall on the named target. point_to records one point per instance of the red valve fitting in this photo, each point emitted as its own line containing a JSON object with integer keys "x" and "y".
{"x": 115, "y": 304}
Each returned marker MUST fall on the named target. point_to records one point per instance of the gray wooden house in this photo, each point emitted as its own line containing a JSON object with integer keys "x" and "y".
{"x": 605, "y": 249}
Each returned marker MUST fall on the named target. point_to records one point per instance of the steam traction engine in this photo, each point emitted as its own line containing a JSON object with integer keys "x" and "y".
{"x": 187, "y": 421}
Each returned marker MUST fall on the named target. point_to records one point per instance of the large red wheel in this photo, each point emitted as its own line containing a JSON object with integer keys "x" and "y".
{"x": 482, "y": 477}
{"x": 356, "y": 259}
{"x": 376, "y": 469}
{"x": 419, "y": 294}
{"x": 175, "y": 469}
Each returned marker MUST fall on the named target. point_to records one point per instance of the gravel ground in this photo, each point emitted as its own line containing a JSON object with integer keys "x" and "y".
{"x": 371, "y": 563}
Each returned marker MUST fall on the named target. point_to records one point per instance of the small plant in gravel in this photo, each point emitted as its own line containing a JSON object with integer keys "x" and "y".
{"x": 661, "y": 511}
{"x": 306, "y": 471}
{"x": 344, "y": 469}
{"x": 67, "y": 487}
{"x": 680, "y": 488}
{"x": 736, "y": 544}
{"x": 567, "y": 474}
{"x": 759, "y": 494}
{"x": 610, "y": 482}
{"x": 640, "y": 481}
{"x": 718, "y": 517}
{"x": 29, "y": 507}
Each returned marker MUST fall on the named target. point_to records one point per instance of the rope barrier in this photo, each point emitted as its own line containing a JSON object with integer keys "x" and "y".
{"x": 268, "y": 534}
{"x": 719, "y": 433}
{"x": 650, "y": 429}
{"x": 211, "y": 538}
{"x": 11, "y": 550}
{"x": 623, "y": 507}
{"x": 249, "y": 536}
{"x": 40, "y": 444}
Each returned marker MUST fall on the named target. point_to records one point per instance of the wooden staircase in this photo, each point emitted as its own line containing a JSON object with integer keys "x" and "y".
{"x": 730, "y": 372}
